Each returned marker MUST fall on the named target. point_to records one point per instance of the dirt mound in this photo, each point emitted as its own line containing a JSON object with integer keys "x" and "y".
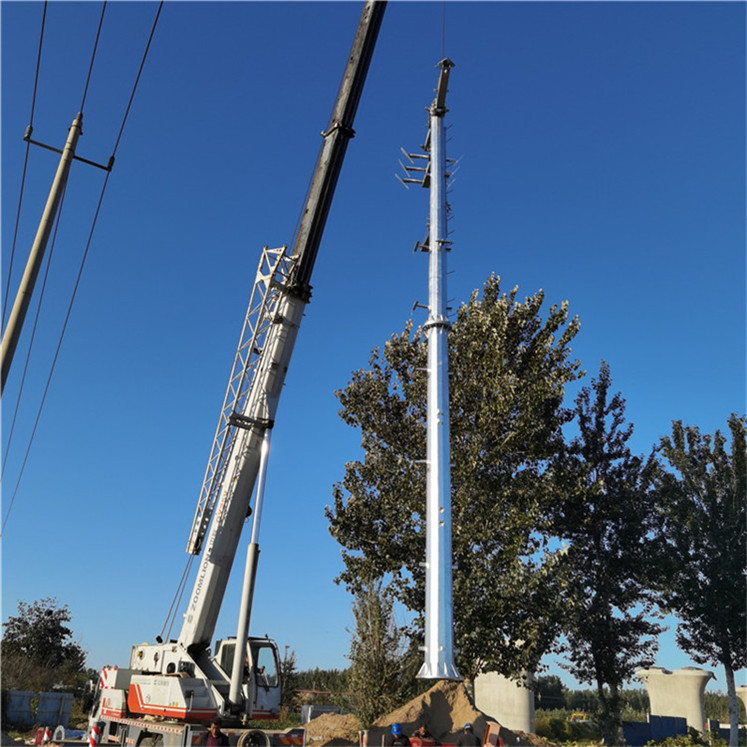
{"x": 332, "y": 729}
{"x": 444, "y": 709}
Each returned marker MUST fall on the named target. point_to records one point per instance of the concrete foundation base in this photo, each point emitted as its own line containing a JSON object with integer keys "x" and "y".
{"x": 742, "y": 694}
{"x": 509, "y": 703}
{"x": 678, "y": 693}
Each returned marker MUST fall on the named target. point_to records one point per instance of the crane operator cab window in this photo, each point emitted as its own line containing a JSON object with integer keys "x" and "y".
{"x": 266, "y": 666}
{"x": 267, "y": 693}
{"x": 262, "y": 658}
{"x": 226, "y": 652}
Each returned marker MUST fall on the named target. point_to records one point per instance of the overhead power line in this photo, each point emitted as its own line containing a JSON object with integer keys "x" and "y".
{"x": 88, "y": 242}
{"x": 25, "y": 164}
{"x": 93, "y": 56}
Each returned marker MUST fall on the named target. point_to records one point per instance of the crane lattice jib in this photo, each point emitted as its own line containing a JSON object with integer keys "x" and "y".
{"x": 274, "y": 268}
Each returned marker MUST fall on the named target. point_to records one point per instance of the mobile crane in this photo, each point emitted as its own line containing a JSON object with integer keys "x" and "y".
{"x": 171, "y": 689}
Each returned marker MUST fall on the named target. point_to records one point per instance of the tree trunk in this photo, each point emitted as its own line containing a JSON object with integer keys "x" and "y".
{"x": 611, "y": 716}
{"x": 733, "y": 706}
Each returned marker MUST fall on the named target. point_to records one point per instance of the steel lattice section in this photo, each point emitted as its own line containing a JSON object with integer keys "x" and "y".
{"x": 274, "y": 269}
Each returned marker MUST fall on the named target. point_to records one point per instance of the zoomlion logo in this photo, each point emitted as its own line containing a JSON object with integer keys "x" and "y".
{"x": 200, "y": 580}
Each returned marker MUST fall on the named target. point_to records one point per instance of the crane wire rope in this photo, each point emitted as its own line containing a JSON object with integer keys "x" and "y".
{"x": 88, "y": 243}
{"x": 177, "y": 600}
{"x": 25, "y": 163}
{"x": 443, "y": 29}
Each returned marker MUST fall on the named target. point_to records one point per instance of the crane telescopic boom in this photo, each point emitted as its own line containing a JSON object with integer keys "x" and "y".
{"x": 228, "y": 500}
{"x": 180, "y": 680}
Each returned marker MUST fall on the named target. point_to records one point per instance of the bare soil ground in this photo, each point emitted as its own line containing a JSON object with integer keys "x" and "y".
{"x": 332, "y": 729}
{"x": 444, "y": 709}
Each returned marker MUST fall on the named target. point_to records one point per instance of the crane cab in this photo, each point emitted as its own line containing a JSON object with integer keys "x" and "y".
{"x": 260, "y": 684}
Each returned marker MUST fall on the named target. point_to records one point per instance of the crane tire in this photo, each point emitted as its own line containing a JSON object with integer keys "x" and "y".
{"x": 254, "y": 738}
{"x": 150, "y": 740}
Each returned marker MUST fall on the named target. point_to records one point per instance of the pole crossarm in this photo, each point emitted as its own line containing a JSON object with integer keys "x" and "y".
{"x": 36, "y": 255}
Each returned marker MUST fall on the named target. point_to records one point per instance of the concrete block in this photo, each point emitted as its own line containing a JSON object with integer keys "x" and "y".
{"x": 678, "y": 693}
{"x": 508, "y": 702}
{"x": 742, "y": 694}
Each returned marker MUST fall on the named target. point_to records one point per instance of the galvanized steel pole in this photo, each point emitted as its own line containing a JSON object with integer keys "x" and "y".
{"x": 26, "y": 288}
{"x": 438, "y": 648}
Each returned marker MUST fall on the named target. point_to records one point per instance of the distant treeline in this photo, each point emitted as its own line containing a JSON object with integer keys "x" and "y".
{"x": 550, "y": 695}
{"x": 334, "y": 681}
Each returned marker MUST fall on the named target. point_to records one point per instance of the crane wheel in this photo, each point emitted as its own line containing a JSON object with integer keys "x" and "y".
{"x": 150, "y": 740}
{"x": 254, "y": 738}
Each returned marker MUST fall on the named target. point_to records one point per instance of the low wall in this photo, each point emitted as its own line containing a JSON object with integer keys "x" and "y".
{"x": 656, "y": 728}
{"x": 53, "y": 709}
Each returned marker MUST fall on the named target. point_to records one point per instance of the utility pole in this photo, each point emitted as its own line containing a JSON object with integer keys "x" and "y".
{"x": 26, "y": 288}
{"x": 438, "y": 648}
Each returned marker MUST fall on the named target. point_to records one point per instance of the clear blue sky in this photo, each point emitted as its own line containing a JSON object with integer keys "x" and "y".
{"x": 603, "y": 160}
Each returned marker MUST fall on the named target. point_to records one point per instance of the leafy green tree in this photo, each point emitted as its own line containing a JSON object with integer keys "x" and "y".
{"x": 637, "y": 704}
{"x": 586, "y": 701}
{"x": 716, "y": 706}
{"x": 37, "y": 647}
{"x": 549, "y": 692}
{"x": 704, "y": 510}
{"x": 289, "y": 678}
{"x": 605, "y": 516}
{"x": 508, "y": 372}
{"x": 331, "y": 681}
{"x": 375, "y": 653}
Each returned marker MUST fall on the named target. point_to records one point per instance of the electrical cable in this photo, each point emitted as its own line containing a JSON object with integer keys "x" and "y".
{"x": 57, "y": 350}
{"x": 93, "y": 57}
{"x": 137, "y": 77}
{"x": 39, "y": 411}
{"x": 83, "y": 260}
{"x": 25, "y": 163}
{"x": 33, "y": 335}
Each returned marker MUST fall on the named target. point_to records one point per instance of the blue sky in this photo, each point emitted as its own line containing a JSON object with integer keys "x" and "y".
{"x": 602, "y": 160}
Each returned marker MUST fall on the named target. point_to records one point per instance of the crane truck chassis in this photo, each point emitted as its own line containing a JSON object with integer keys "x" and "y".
{"x": 172, "y": 689}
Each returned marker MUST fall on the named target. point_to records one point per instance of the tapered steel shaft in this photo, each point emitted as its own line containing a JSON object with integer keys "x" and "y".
{"x": 438, "y": 647}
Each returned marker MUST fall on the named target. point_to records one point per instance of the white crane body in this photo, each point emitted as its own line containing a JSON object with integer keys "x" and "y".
{"x": 171, "y": 689}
